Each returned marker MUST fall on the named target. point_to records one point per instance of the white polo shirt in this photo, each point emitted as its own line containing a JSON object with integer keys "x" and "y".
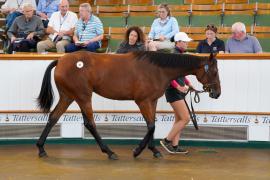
{"x": 60, "y": 23}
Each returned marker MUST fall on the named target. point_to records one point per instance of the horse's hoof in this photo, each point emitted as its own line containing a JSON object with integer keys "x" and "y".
{"x": 136, "y": 152}
{"x": 42, "y": 154}
{"x": 157, "y": 155}
{"x": 113, "y": 156}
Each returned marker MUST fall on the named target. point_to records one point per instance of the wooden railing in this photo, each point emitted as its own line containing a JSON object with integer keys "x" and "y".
{"x": 56, "y": 56}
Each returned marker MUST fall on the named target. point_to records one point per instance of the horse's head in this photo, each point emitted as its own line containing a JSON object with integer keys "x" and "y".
{"x": 209, "y": 77}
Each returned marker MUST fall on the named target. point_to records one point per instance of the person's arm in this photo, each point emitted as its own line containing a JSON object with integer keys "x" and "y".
{"x": 221, "y": 49}
{"x": 175, "y": 29}
{"x": 12, "y": 31}
{"x": 199, "y": 47}
{"x": 257, "y": 46}
{"x": 75, "y": 36}
{"x": 67, "y": 33}
{"x": 50, "y": 30}
{"x": 152, "y": 31}
{"x": 177, "y": 86}
{"x": 40, "y": 28}
{"x": 227, "y": 48}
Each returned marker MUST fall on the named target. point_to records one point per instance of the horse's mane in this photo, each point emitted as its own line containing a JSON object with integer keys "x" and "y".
{"x": 170, "y": 60}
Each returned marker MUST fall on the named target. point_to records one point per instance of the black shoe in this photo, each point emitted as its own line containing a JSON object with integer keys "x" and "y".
{"x": 167, "y": 146}
{"x": 180, "y": 150}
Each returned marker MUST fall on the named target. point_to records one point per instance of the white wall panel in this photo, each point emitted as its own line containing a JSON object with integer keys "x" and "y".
{"x": 245, "y": 87}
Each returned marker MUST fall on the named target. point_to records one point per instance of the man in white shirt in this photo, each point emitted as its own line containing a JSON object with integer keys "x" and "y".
{"x": 61, "y": 28}
{"x": 13, "y": 9}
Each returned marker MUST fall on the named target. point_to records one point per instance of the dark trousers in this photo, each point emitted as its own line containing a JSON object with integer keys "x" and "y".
{"x": 23, "y": 46}
{"x": 90, "y": 47}
{"x": 11, "y": 17}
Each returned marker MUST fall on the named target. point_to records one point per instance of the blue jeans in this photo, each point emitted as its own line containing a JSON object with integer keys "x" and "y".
{"x": 11, "y": 17}
{"x": 90, "y": 47}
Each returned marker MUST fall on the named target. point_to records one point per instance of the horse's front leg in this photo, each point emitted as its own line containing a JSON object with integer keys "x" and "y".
{"x": 90, "y": 125}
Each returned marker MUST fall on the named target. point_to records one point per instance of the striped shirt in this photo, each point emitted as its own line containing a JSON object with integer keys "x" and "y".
{"x": 91, "y": 29}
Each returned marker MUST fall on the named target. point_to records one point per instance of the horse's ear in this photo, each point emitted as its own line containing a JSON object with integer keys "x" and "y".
{"x": 212, "y": 56}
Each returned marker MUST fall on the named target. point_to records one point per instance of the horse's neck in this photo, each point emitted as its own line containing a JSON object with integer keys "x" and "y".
{"x": 173, "y": 73}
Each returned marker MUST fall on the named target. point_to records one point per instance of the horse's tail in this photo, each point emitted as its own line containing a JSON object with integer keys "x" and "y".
{"x": 46, "y": 96}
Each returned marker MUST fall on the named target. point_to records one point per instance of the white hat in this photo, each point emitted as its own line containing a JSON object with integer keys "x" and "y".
{"x": 181, "y": 36}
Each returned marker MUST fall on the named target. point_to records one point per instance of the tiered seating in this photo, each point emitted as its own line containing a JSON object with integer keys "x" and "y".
{"x": 262, "y": 17}
{"x": 181, "y": 13}
{"x": 112, "y": 15}
{"x": 201, "y": 15}
{"x": 141, "y": 15}
{"x": 263, "y": 35}
{"x": 238, "y": 12}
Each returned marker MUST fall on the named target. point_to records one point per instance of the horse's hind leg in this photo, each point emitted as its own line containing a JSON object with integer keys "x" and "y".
{"x": 89, "y": 123}
{"x": 54, "y": 116}
{"x": 148, "y": 110}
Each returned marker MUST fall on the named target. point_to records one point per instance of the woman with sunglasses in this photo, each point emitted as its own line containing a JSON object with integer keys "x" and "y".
{"x": 211, "y": 44}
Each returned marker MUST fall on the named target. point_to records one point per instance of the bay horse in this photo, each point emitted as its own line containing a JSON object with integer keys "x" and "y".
{"x": 139, "y": 76}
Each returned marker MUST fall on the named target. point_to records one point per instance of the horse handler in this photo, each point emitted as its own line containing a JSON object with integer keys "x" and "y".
{"x": 175, "y": 95}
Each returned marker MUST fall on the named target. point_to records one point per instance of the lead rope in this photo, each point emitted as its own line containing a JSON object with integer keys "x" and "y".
{"x": 196, "y": 100}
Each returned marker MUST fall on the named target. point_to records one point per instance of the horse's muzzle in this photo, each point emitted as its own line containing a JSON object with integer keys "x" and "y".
{"x": 214, "y": 94}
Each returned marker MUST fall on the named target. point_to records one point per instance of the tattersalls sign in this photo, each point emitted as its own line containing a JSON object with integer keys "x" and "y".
{"x": 136, "y": 118}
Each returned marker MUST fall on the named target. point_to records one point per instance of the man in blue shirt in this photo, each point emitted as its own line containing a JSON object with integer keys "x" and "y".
{"x": 241, "y": 42}
{"x": 88, "y": 31}
{"x": 45, "y": 9}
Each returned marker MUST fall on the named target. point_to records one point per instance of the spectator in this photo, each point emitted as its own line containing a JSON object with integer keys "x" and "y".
{"x": 13, "y": 9}
{"x": 61, "y": 28}
{"x": 46, "y": 8}
{"x": 211, "y": 44}
{"x": 88, "y": 31}
{"x": 26, "y": 30}
{"x": 134, "y": 41}
{"x": 240, "y": 42}
{"x": 162, "y": 30}
{"x": 175, "y": 95}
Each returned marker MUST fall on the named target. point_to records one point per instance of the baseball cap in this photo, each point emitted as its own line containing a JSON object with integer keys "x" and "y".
{"x": 182, "y": 36}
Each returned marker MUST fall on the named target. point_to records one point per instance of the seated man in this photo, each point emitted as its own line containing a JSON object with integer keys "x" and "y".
{"x": 13, "y": 9}
{"x": 240, "y": 42}
{"x": 88, "y": 31}
{"x": 61, "y": 28}
{"x": 45, "y": 9}
{"x": 25, "y": 30}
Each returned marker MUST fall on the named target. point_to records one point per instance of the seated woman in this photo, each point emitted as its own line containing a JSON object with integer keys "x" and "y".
{"x": 211, "y": 44}
{"x": 134, "y": 41}
{"x": 162, "y": 30}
